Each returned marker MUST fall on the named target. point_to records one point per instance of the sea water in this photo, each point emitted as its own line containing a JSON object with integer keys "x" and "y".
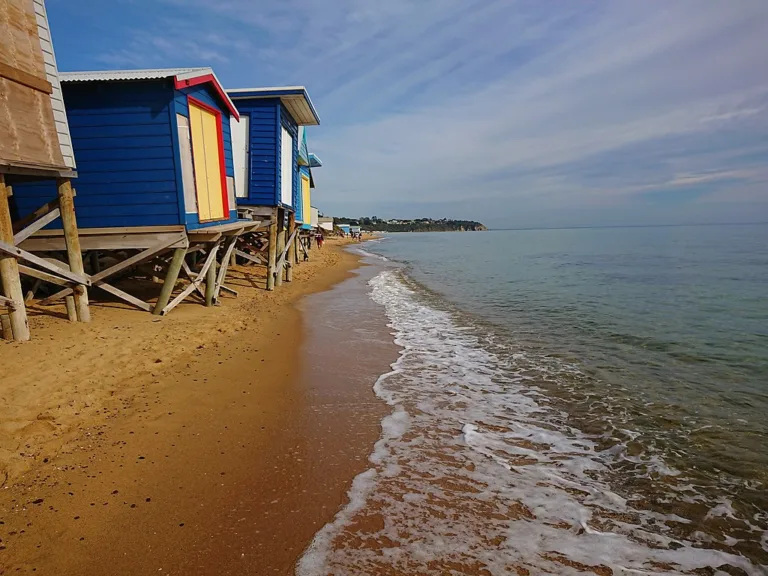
{"x": 566, "y": 401}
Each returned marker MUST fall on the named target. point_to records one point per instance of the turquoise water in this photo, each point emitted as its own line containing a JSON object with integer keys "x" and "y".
{"x": 568, "y": 401}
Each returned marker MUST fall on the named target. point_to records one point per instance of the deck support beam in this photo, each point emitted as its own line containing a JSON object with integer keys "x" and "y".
{"x": 291, "y": 261}
{"x": 72, "y": 240}
{"x": 209, "y": 261}
{"x": 9, "y": 271}
{"x": 210, "y": 284}
{"x": 280, "y": 245}
{"x": 229, "y": 251}
{"x": 272, "y": 254}
{"x": 69, "y": 303}
{"x": 170, "y": 280}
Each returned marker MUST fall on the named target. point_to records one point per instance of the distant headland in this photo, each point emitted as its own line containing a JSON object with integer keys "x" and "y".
{"x": 374, "y": 224}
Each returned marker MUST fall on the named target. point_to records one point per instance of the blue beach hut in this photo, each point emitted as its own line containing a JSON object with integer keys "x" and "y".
{"x": 153, "y": 149}
{"x": 155, "y": 168}
{"x": 266, "y": 159}
{"x": 267, "y": 137}
{"x": 306, "y": 161}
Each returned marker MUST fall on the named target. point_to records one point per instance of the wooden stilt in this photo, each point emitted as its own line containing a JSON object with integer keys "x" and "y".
{"x": 9, "y": 271}
{"x": 209, "y": 261}
{"x": 272, "y": 254}
{"x": 229, "y": 250}
{"x": 5, "y": 327}
{"x": 170, "y": 280}
{"x": 210, "y": 284}
{"x": 291, "y": 248}
{"x": 69, "y": 302}
{"x": 299, "y": 249}
{"x": 280, "y": 244}
{"x": 72, "y": 240}
{"x": 233, "y": 259}
{"x": 95, "y": 266}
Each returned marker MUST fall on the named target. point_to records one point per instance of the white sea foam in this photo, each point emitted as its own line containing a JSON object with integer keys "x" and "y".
{"x": 473, "y": 472}
{"x": 365, "y": 252}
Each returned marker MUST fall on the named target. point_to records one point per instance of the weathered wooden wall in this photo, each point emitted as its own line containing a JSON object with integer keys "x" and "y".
{"x": 28, "y": 133}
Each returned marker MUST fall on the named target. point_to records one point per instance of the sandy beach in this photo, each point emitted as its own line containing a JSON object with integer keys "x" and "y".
{"x": 184, "y": 445}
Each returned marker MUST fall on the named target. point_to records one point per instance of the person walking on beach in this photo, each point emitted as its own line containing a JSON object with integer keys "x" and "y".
{"x": 319, "y": 239}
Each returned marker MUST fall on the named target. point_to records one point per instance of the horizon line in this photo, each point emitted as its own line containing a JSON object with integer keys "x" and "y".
{"x": 628, "y": 226}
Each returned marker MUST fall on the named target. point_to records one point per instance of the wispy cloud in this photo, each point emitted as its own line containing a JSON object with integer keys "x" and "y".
{"x": 480, "y": 104}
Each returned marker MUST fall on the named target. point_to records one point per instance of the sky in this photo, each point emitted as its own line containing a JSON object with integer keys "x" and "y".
{"x": 514, "y": 113}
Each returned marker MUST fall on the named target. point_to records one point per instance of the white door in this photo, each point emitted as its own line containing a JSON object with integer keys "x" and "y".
{"x": 286, "y": 168}
{"x": 240, "y": 148}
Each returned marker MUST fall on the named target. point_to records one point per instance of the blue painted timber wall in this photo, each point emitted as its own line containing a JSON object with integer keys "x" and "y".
{"x": 125, "y": 139}
{"x": 266, "y": 118}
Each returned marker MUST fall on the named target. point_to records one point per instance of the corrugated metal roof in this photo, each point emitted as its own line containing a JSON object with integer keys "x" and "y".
{"x": 149, "y": 74}
{"x": 294, "y": 98}
{"x": 178, "y": 74}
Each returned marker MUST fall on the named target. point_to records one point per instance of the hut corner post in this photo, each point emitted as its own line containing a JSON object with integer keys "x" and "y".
{"x": 9, "y": 272}
{"x": 280, "y": 244}
{"x": 291, "y": 260}
{"x": 72, "y": 241}
{"x": 272, "y": 254}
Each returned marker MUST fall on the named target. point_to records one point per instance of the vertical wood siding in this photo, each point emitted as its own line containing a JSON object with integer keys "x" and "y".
{"x": 203, "y": 93}
{"x": 208, "y": 96}
{"x": 52, "y": 75}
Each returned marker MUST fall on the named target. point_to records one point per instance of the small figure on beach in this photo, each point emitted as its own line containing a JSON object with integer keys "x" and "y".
{"x": 319, "y": 239}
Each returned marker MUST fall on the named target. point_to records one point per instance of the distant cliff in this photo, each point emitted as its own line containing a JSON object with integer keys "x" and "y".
{"x": 375, "y": 224}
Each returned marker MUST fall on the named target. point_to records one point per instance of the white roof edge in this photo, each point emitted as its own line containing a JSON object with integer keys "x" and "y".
{"x": 267, "y": 89}
{"x": 269, "y": 92}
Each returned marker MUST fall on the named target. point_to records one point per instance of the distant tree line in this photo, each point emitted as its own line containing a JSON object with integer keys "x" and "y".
{"x": 375, "y": 224}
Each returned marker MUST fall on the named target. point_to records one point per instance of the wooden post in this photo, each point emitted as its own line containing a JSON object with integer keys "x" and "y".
{"x": 69, "y": 302}
{"x": 233, "y": 259}
{"x": 272, "y": 252}
{"x": 5, "y": 327}
{"x": 280, "y": 243}
{"x": 170, "y": 280}
{"x": 9, "y": 271}
{"x": 95, "y": 266}
{"x": 72, "y": 240}
{"x": 210, "y": 284}
{"x": 291, "y": 259}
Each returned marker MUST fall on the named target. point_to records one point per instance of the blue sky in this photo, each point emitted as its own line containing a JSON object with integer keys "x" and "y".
{"x": 514, "y": 113}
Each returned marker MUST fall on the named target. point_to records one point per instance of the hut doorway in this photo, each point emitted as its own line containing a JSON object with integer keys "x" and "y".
{"x": 286, "y": 168}
{"x": 240, "y": 150}
{"x": 208, "y": 160}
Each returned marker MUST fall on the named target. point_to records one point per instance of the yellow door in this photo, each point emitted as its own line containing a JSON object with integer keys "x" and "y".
{"x": 305, "y": 200}
{"x": 207, "y": 161}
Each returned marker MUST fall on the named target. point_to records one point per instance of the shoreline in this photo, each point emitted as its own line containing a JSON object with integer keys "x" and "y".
{"x": 199, "y": 461}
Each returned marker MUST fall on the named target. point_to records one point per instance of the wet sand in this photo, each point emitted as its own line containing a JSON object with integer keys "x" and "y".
{"x": 197, "y": 444}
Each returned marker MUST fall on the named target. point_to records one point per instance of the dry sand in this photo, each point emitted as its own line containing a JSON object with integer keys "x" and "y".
{"x": 182, "y": 445}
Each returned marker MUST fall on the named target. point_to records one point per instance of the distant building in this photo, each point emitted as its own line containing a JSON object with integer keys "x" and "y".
{"x": 326, "y": 223}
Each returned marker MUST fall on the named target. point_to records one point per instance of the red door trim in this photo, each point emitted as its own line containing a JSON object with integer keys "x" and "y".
{"x": 191, "y": 100}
